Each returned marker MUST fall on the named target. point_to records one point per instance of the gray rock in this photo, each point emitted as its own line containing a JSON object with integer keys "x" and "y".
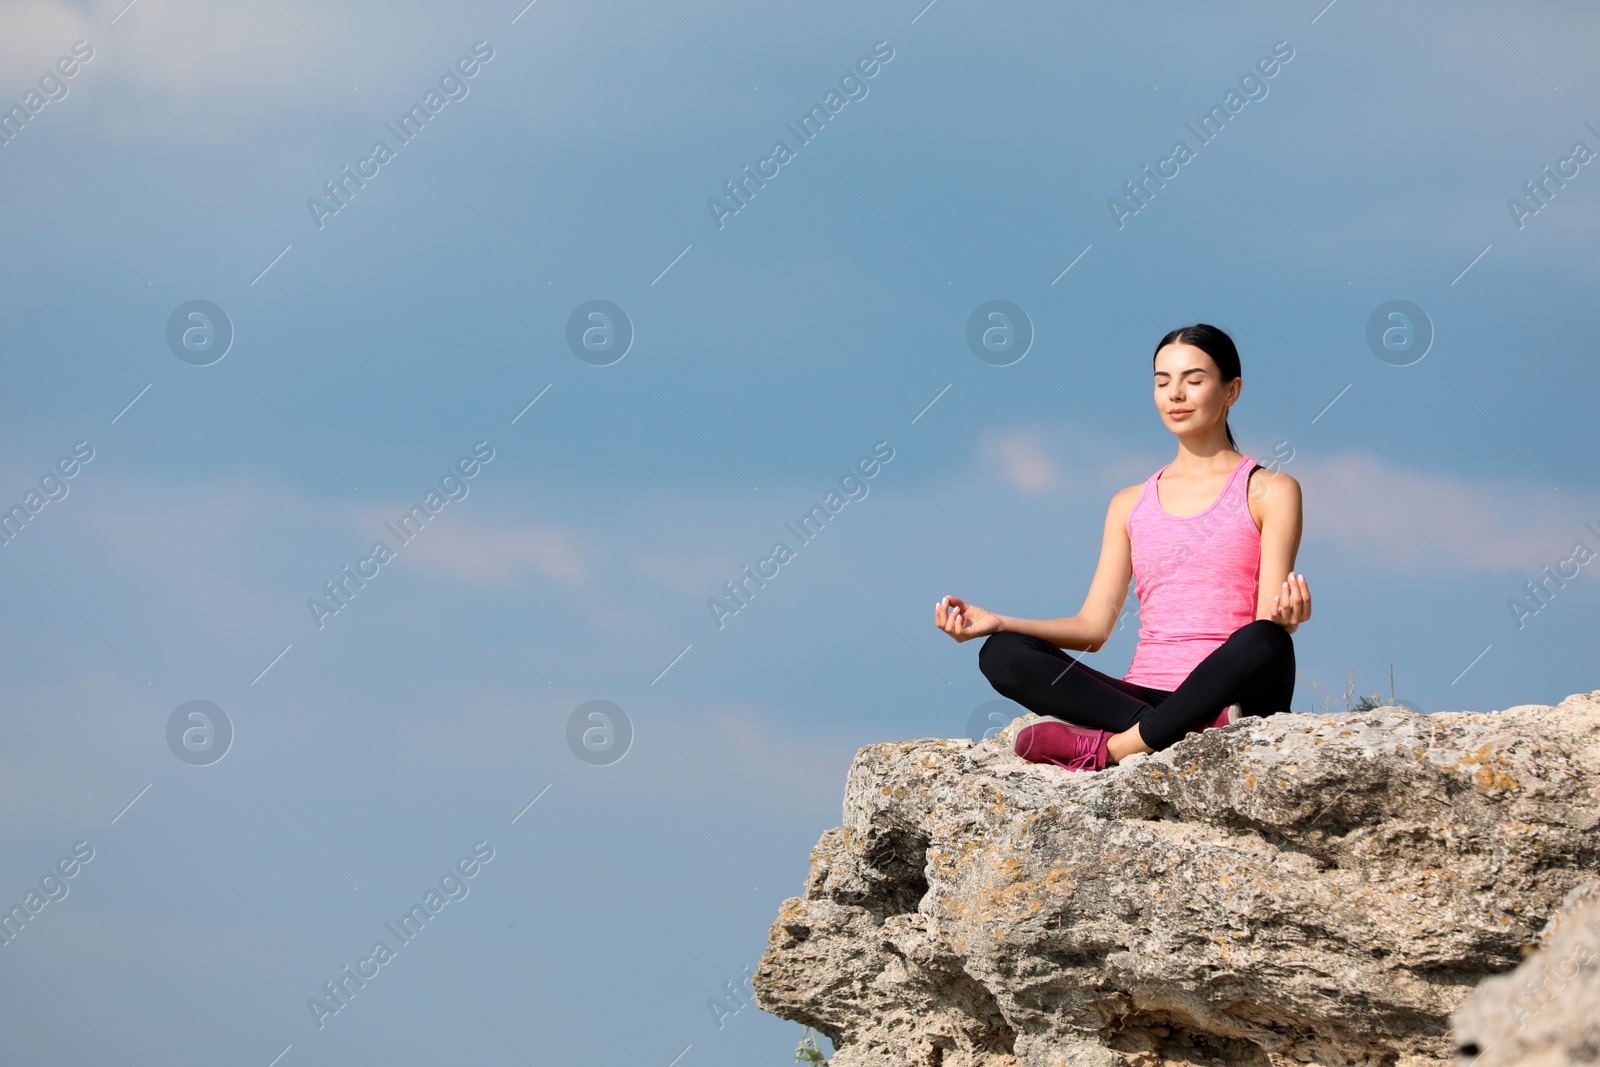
{"x": 1298, "y": 889}
{"x": 1546, "y": 1012}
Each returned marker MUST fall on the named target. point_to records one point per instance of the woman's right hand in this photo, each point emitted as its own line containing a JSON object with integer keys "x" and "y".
{"x": 964, "y": 621}
{"x": 1293, "y": 606}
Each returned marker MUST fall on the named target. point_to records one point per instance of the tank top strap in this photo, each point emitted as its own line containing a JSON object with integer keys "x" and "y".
{"x": 1234, "y": 480}
{"x": 1150, "y": 482}
{"x": 1148, "y": 493}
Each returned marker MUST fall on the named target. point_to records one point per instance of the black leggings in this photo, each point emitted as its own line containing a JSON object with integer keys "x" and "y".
{"x": 1253, "y": 668}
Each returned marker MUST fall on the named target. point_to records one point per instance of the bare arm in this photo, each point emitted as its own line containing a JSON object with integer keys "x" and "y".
{"x": 1278, "y": 597}
{"x": 1091, "y": 627}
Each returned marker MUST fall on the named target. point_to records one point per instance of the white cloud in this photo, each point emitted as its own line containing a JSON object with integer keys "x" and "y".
{"x": 697, "y": 577}
{"x": 484, "y": 552}
{"x": 1376, "y": 510}
{"x": 197, "y": 541}
{"x": 1023, "y": 458}
{"x": 180, "y": 70}
{"x": 37, "y": 33}
{"x": 1369, "y": 507}
{"x": 241, "y": 547}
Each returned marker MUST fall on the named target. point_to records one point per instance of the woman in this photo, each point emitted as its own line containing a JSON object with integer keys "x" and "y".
{"x": 1211, "y": 538}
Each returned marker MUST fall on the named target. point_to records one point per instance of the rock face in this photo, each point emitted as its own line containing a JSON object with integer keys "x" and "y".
{"x": 1547, "y": 1012}
{"x": 1321, "y": 889}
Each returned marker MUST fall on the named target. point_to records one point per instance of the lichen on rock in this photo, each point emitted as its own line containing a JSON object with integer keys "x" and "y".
{"x": 1303, "y": 888}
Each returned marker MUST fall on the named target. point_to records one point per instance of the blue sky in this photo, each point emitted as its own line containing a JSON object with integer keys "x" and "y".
{"x": 770, "y": 353}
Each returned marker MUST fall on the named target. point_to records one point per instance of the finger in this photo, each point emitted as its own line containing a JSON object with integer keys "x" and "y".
{"x": 949, "y": 605}
{"x": 1302, "y": 599}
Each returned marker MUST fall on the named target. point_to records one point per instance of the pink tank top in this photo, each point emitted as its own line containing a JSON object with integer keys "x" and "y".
{"x": 1196, "y": 578}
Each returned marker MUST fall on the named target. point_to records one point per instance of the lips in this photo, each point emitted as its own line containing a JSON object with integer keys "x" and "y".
{"x": 1180, "y": 414}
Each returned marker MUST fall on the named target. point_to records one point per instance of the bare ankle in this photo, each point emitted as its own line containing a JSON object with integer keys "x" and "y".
{"x": 1120, "y": 746}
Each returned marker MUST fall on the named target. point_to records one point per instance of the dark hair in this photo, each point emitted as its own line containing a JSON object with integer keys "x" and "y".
{"x": 1214, "y": 343}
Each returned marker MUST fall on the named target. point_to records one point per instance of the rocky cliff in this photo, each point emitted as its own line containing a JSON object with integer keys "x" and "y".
{"x": 1321, "y": 889}
{"x": 1547, "y": 1012}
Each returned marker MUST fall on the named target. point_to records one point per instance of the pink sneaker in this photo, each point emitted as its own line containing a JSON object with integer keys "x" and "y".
{"x": 1052, "y": 740}
{"x": 1227, "y": 716}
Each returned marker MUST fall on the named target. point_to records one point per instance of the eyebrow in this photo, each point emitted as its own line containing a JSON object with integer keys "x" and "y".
{"x": 1191, "y": 370}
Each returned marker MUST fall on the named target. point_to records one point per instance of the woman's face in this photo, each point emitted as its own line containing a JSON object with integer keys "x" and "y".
{"x": 1189, "y": 392}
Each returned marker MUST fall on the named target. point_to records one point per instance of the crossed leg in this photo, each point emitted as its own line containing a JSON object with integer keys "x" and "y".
{"x": 1253, "y": 668}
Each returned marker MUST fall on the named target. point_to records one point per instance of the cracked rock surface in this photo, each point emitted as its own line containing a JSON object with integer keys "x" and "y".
{"x": 1546, "y": 1013}
{"x": 1323, "y": 889}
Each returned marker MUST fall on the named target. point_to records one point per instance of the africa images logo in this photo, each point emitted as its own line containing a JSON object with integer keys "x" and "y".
{"x": 852, "y": 86}
{"x": 453, "y": 886}
{"x": 452, "y": 86}
{"x": 852, "y": 486}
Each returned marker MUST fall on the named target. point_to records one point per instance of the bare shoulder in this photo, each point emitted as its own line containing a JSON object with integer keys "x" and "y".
{"x": 1267, "y": 482}
{"x": 1273, "y": 493}
{"x": 1122, "y": 503}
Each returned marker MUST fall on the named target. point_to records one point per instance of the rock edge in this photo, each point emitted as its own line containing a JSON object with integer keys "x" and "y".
{"x": 1297, "y": 889}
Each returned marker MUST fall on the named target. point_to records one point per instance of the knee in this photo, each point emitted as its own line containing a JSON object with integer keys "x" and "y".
{"x": 997, "y": 658}
{"x": 1265, "y": 639}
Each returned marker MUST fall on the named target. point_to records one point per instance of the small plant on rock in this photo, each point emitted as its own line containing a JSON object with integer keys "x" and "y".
{"x": 1327, "y": 700}
{"x": 809, "y": 1051}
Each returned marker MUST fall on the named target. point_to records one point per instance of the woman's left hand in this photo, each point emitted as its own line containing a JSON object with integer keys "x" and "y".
{"x": 1292, "y": 606}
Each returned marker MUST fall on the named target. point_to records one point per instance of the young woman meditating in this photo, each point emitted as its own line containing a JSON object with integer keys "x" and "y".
{"x": 1211, "y": 539}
